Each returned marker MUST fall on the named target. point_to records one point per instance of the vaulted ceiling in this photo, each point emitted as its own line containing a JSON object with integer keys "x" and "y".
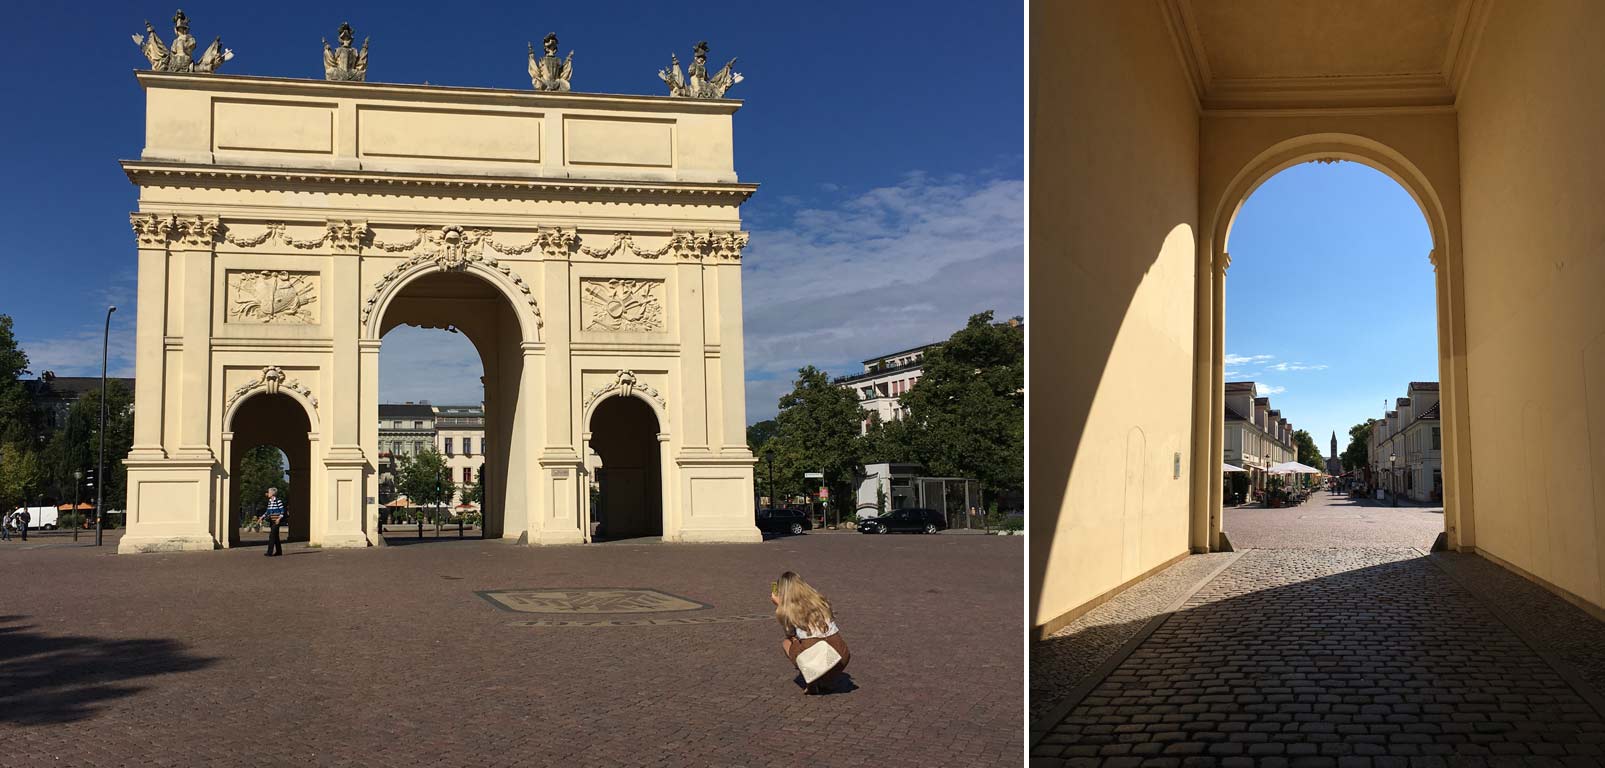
{"x": 1308, "y": 53}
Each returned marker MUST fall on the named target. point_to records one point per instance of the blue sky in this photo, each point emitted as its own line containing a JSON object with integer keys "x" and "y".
{"x": 1330, "y": 304}
{"x": 892, "y": 199}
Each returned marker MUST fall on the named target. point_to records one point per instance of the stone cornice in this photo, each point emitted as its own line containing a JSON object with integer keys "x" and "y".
{"x": 279, "y": 86}
{"x": 195, "y": 175}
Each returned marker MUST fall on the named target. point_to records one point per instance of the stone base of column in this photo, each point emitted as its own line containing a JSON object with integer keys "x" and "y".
{"x": 558, "y": 537}
{"x": 135, "y": 545}
{"x": 344, "y": 540}
{"x": 742, "y": 535}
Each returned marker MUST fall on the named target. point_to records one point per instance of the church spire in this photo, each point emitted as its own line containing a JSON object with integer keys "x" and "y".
{"x": 1334, "y": 443}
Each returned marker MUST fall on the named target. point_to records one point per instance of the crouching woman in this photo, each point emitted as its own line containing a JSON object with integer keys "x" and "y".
{"x": 806, "y": 617}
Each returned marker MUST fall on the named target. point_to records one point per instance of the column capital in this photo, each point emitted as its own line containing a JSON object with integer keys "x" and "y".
{"x": 196, "y": 232}
{"x": 151, "y": 229}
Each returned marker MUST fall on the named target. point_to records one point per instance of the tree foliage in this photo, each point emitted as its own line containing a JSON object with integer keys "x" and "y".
{"x": 76, "y": 446}
{"x": 425, "y": 479}
{"x": 475, "y": 492}
{"x": 816, "y": 430}
{"x": 1357, "y": 455}
{"x": 1308, "y": 453}
{"x": 17, "y": 416}
{"x": 967, "y": 412}
{"x": 20, "y": 476}
{"x": 262, "y": 467}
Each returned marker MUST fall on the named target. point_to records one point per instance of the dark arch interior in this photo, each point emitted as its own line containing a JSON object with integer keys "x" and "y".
{"x": 624, "y": 434}
{"x": 276, "y": 420}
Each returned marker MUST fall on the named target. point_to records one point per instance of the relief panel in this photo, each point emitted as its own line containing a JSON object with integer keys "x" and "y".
{"x": 622, "y": 305}
{"x": 269, "y": 297}
{"x": 259, "y": 126}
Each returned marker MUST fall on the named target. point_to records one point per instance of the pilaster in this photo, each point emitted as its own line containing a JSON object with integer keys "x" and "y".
{"x": 151, "y": 232}
{"x": 692, "y": 416}
{"x": 193, "y": 252}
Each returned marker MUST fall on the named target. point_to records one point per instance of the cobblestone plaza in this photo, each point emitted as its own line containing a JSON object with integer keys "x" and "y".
{"x": 393, "y": 656}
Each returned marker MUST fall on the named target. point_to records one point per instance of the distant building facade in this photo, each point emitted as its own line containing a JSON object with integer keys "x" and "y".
{"x": 405, "y": 429}
{"x": 1256, "y": 435}
{"x": 1406, "y": 446}
{"x": 460, "y": 439}
{"x": 53, "y": 396}
{"x": 883, "y": 381}
{"x": 1334, "y": 465}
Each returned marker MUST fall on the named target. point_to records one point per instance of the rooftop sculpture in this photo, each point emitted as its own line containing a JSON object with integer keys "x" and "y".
{"x": 547, "y": 73}
{"x": 345, "y": 62}
{"x": 696, "y": 83}
{"x": 177, "y": 58}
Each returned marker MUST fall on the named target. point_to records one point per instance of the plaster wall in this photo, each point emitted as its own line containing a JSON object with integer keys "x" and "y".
{"x": 1113, "y": 219}
{"x": 1531, "y": 117}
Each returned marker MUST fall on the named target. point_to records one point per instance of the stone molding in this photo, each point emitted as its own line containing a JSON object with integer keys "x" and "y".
{"x": 452, "y": 248}
{"x": 151, "y": 229}
{"x": 624, "y": 384}
{"x": 270, "y": 382}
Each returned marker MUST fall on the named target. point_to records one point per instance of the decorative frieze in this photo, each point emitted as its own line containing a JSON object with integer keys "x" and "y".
{"x": 621, "y": 305}
{"x": 270, "y": 382}
{"x": 624, "y": 384}
{"x": 451, "y": 248}
{"x": 151, "y": 229}
{"x": 710, "y": 246}
{"x": 196, "y": 231}
{"x": 624, "y": 243}
{"x": 273, "y": 297}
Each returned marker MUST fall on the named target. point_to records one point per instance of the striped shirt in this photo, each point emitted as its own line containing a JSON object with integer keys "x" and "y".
{"x": 275, "y": 506}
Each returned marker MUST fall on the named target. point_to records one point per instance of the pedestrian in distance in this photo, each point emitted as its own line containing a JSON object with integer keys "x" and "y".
{"x": 274, "y": 515}
{"x": 813, "y": 642}
{"x": 23, "y": 518}
{"x": 5, "y": 526}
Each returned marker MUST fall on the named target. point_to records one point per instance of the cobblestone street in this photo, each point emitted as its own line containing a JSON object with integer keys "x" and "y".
{"x": 1321, "y": 655}
{"x": 393, "y": 657}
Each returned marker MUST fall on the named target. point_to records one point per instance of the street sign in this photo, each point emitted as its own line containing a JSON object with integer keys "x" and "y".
{"x": 813, "y": 476}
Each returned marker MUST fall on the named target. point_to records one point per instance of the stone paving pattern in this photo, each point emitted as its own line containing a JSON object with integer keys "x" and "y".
{"x": 1063, "y": 660}
{"x": 1331, "y": 520}
{"x": 388, "y": 657}
{"x": 1362, "y": 656}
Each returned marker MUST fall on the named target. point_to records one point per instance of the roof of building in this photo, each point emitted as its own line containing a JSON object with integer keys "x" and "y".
{"x": 1239, "y": 386}
{"x": 1431, "y": 413}
{"x": 1232, "y": 415}
{"x": 1262, "y": 401}
{"x": 69, "y": 387}
{"x": 1423, "y": 386}
{"x": 920, "y": 348}
{"x": 405, "y": 411}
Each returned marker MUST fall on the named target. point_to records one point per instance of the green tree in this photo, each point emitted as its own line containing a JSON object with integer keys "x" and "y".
{"x": 261, "y": 468}
{"x": 475, "y": 492}
{"x": 425, "y": 479}
{"x": 17, "y": 416}
{"x": 1357, "y": 455}
{"x": 816, "y": 430}
{"x": 75, "y": 447}
{"x": 760, "y": 433}
{"x": 888, "y": 441}
{"x": 20, "y": 476}
{"x": 967, "y": 412}
{"x": 1308, "y": 454}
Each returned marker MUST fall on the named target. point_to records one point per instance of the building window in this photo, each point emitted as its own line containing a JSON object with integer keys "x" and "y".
{"x": 468, "y": 475}
{"x": 448, "y": 446}
{"x": 468, "y": 446}
{"x": 1437, "y": 440}
{"x": 417, "y": 425}
{"x": 417, "y": 446}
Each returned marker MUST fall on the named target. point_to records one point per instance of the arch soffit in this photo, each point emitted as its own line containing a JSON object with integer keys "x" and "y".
{"x": 1337, "y": 146}
{"x": 392, "y": 284}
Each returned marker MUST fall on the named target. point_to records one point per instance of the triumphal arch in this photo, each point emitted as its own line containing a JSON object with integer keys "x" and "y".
{"x": 588, "y": 245}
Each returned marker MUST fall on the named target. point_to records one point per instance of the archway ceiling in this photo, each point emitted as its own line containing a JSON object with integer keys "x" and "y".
{"x": 1314, "y": 53}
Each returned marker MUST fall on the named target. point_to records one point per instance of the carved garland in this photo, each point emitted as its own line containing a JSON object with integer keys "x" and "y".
{"x": 270, "y": 382}
{"x": 341, "y": 235}
{"x": 624, "y": 384}
{"x": 453, "y": 248}
{"x": 622, "y": 241}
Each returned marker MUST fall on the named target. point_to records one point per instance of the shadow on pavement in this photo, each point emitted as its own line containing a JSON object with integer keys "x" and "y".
{"x": 53, "y": 679}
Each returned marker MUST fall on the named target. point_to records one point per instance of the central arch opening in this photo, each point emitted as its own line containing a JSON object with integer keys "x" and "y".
{"x": 451, "y": 368}
{"x": 271, "y": 447}
{"x": 1331, "y": 425}
{"x": 628, "y": 499}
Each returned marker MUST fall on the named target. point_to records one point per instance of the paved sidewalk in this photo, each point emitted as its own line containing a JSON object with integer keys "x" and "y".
{"x": 391, "y": 657}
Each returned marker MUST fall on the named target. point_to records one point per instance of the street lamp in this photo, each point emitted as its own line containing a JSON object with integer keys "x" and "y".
{"x": 100, "y": 472}
{"x": 1393, "y": 479}
{"x": 77, "y": 492}
{"x": 769, "y": 459}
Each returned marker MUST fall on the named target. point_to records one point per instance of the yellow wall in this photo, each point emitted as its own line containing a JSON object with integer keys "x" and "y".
{"x": 1114, "y": 159}
{"x": 1533, "y": 183}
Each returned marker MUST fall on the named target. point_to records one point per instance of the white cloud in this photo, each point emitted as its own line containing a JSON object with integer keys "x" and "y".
{"x": 888, "y": 269}
{"x": 1247, "y": 359}
{"x": 77, "y": 352}
{"x": 1295, "y": 366}
{"x": 1265, "y": 390}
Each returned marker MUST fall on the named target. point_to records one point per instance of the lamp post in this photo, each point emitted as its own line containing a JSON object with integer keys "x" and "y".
{"x": 1393, "y": 479}
{"x": 769, "y": 459}
{"x": 100, "y": 472}
{"x": 77, "y": 493}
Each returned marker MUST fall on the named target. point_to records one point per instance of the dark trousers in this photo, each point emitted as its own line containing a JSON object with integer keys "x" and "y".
{"x": 274, "y": 548}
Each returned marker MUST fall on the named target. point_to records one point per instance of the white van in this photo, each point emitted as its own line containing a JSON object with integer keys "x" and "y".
{"x": 39, "y": 518}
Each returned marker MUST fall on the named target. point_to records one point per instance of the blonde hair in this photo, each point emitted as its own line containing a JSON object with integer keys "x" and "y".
{"x": 801, "y": 606}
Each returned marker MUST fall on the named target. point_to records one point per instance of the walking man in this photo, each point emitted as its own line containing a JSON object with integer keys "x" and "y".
{"x": 23, "y": 518}
{"x": 274, "y": 516}
{"x": 5, "y": 526}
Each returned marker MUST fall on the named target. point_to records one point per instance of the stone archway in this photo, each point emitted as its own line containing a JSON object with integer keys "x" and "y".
{"x": 280, "y": 421}
{"x": 624, "y": 433}
{"x": 1209, "y": 377}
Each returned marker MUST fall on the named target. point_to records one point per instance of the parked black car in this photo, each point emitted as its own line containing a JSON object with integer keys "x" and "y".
{"x": 783, "y": 521}
{"x": 911, "y": 520}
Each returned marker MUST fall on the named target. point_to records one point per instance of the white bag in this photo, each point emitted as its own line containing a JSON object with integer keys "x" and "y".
{"x": 816, "y": 660}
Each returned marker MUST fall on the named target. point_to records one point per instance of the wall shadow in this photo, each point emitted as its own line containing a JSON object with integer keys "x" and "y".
{"x": 50, "y": 679}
